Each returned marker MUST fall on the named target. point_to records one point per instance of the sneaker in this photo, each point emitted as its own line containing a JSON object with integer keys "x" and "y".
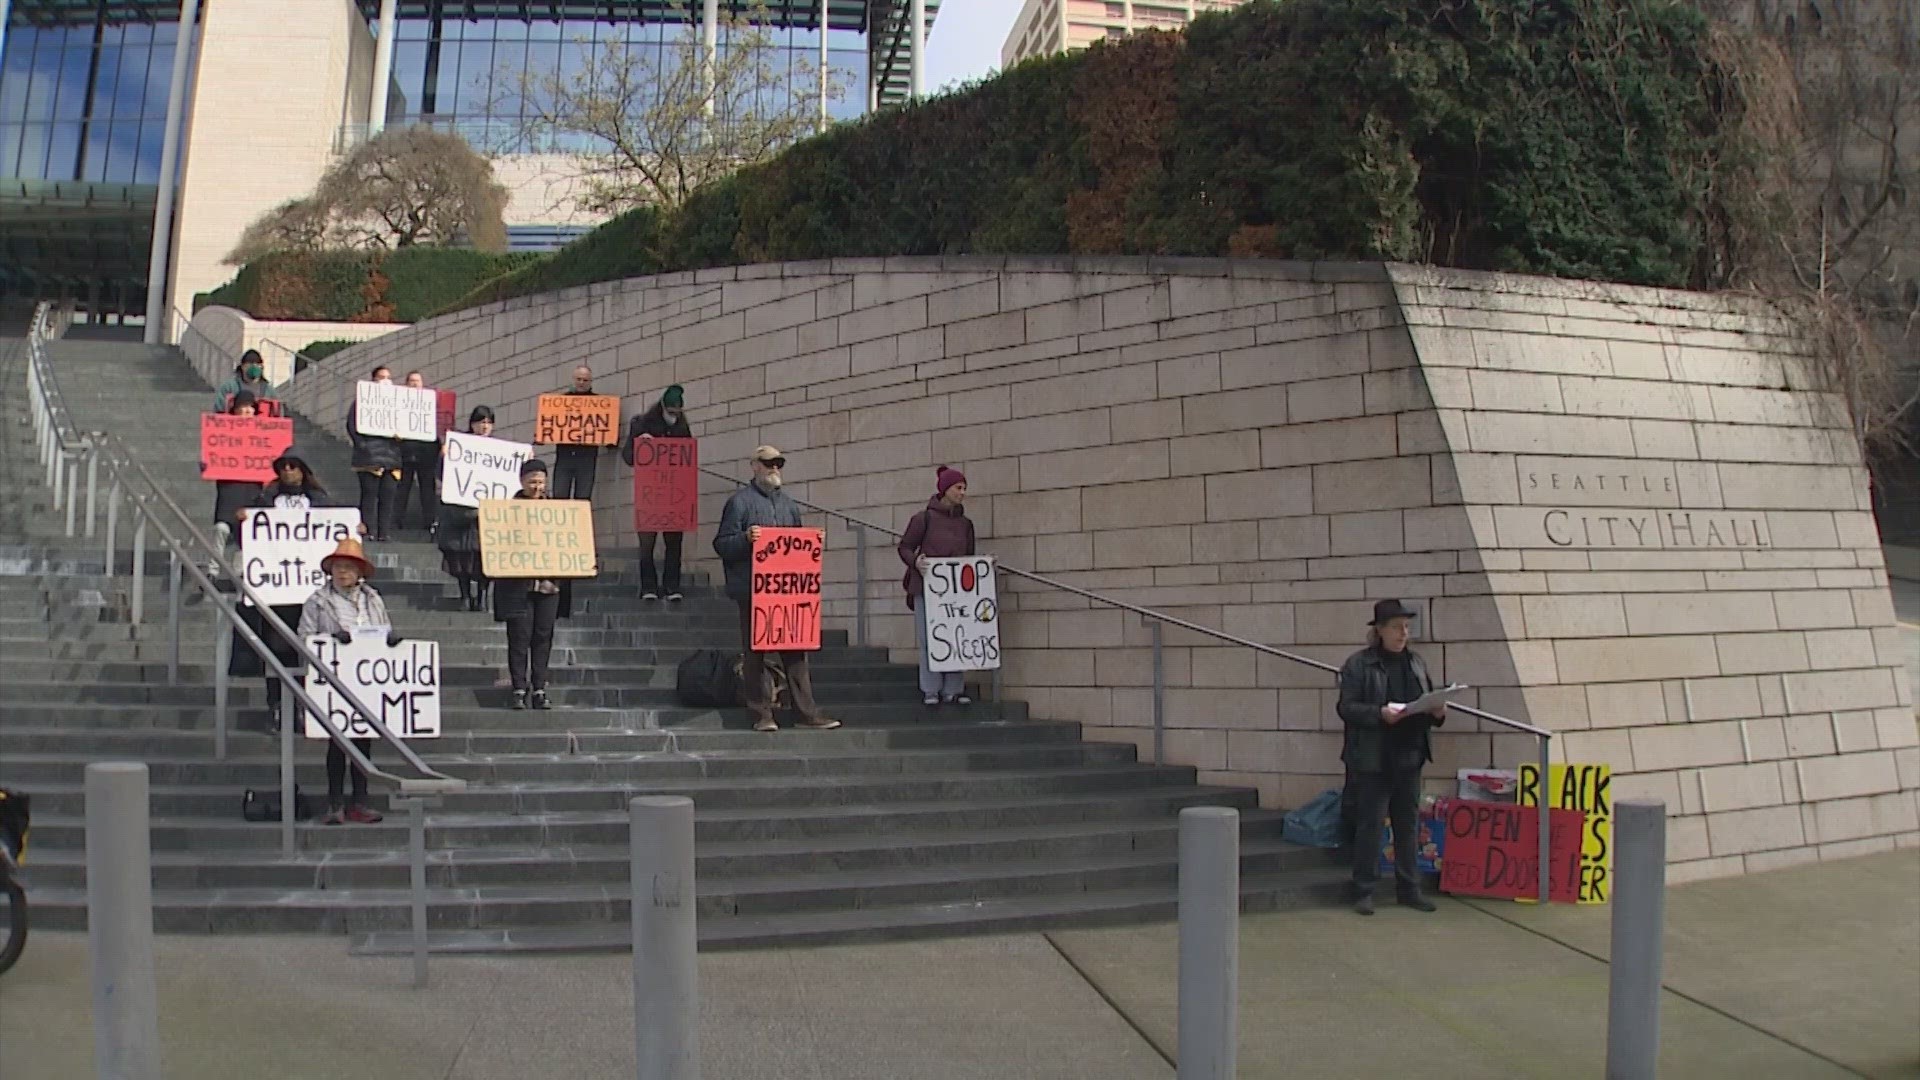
{"x": 931, "y": 701}
{"x": 961, "y": 700}
{"x": 649, "y": 595}
{"x": 1363, "y": 905}
{"x": 1420, "y": 903}
{"x": 820, "y": 723}
{"x": 673, "y": 598}
{"x": 520, "y": 699}
{"x": 335, "y": 816}
{"x": 540, "y": 700}
{"x": 364, "y": 815}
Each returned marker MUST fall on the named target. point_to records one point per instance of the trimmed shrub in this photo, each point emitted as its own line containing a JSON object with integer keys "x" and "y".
{"x": 325, "y": 347}
{"x": 405, "y": 285}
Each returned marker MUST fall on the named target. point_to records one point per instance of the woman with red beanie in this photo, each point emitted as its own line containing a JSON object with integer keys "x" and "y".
{"x": 941, "y": 531}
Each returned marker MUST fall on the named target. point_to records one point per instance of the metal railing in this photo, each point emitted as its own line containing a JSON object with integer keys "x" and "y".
{"x": 1155, "y": 621}
{"x": 63, "y": 451}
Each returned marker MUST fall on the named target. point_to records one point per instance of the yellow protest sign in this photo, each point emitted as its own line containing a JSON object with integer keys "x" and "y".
{"x": 536, "y": 538}
{"x": 1580, "y": 787}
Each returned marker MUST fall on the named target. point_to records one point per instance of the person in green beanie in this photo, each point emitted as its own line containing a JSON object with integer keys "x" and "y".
{"x": 667, "y": 419}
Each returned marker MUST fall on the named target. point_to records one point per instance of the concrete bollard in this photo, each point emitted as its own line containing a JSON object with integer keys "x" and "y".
{"x": 1209, "y": 942}
{"x": 126, "y": 1012}
{"x": 1639, "y": 919}
{"x": 666, "y": 975}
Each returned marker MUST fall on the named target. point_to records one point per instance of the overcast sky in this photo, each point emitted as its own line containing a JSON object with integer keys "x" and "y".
{"x": 966, "y": 39}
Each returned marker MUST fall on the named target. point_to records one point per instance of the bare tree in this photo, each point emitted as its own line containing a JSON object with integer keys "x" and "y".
{"x": 652, "y": 123}
{"x": 294, "y": 225}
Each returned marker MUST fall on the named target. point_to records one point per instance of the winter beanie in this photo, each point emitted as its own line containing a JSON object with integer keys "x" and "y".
{"x": 946, "y": 478}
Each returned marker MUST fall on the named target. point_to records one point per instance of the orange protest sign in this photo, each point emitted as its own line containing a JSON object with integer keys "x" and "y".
{"x": 786, "y": 589}
{"x": 242, "y": 447}
{"x": 577, "y": 420}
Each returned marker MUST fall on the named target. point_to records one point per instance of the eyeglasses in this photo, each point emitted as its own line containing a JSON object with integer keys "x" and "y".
{"x": 774, "y": 462}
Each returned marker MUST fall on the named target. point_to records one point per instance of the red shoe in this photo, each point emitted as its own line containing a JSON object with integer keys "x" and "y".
{"x": 335, "y": 816}
{"x": 361, "y": 815}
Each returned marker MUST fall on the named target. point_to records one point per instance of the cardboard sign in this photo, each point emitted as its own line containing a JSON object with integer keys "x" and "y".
{"x": 1493, "y": 849}
{"x": 1582, "y": 788}
{"x": 962, "y": 613}
{"x": 444, "y": 405}
{"x": 577, "y": 420}
{"x": 666, "y": 485}
{"x": 393, "y": 411}
{"x": 536, "y": 538}
{"x": 401, "y": 684}
{"x": 786, "y": 589}
{"x": 281, "y": 549}
{"x": 242, "y": 447}
{"x": 475, "y": 467}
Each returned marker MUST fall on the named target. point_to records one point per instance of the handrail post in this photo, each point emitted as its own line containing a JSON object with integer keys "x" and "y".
{"x": 416, "y": 809}
{"x": 113, "y": 525}
{"x": 73, "y": 494}
{"x": 93, "y": 486}
{"x": 173, "y": 616}
{"x": 1159, "y": 694}
{"x": 287, "y": 735}
{"x": 1546, "y": 824}
{"x": 222, "y": 659}
{"x": 860, "y": 585}
{"x": 138, "y": 593}
{"x": 59, "y": 471}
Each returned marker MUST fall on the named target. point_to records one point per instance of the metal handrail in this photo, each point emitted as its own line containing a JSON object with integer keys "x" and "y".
{"x": 49, "y": 415}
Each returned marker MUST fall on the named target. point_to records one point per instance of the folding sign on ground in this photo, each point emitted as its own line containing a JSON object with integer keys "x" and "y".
{"x": 1583, "y": 788}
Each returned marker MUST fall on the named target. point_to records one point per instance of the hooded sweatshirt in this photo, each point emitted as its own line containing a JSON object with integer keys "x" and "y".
{"x": 938, "y": 532}
{"x": 260, "y": 388}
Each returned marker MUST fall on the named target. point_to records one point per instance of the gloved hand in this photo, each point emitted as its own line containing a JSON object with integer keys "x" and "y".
{"x": 343, "y": 637}
{"x": 394, "y": 640}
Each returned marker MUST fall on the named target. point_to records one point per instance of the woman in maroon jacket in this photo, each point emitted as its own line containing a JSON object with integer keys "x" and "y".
{"x": 940, "y": 531}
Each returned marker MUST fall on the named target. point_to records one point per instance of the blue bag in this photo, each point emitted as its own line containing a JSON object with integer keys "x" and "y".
{"x": 1316, "y": 824}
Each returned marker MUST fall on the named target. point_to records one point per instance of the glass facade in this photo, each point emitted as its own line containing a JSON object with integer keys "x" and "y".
{"x": 85, "y": 102}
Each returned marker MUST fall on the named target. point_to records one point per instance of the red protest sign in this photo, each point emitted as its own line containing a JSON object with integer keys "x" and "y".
{"x": 242, "y": 447}
{"x": 443, "y": 412}
{"x": 666, "y": 485}
{"x": 786, "y": 589}
{"x": 262, "y": 406}
{"x": 1492, "y": 849}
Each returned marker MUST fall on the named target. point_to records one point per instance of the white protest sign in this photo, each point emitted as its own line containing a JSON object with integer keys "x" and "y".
{"x": 475, "y": 467}
{"x": 401, "y": 684}
{"x": 394, "y": 411}
{"x": 281, "y": 549}
{"x": 962, "y": 613}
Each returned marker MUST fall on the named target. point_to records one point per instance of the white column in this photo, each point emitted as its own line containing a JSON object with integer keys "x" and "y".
{"x": 158, "y": 316}
{"x": 709, "y": 50}
{"x": 823, "y": 64}
{"x": 917, "y": 50}
{"x": 382, "y": 70}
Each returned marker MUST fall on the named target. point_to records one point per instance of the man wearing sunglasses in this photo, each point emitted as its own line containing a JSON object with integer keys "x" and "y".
{"x": 762, "y": 505}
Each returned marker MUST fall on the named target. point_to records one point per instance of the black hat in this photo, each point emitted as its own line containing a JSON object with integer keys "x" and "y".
{"x": 285, "y": 460}
{"x": 1387, "y": 610}
{"x": 533, "y": 465}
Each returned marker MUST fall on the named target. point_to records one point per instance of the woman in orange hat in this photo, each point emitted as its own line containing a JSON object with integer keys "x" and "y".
{"x": 346, "y": 604}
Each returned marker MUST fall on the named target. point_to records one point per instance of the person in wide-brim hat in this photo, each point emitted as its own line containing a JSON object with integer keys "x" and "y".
{"x": 349, "y": 551}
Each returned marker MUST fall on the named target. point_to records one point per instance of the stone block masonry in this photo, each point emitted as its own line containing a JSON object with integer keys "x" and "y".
{"x": 1626, "y": 514}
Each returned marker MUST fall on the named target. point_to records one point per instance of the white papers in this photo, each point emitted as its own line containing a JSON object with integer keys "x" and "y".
{"x": 1431, "y": 700}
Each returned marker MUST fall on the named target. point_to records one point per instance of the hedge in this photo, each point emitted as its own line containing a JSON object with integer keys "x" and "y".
{"x": 405, "y": 285}
{"x": 1585, "y": 138}
{"x": 320, "y": 350}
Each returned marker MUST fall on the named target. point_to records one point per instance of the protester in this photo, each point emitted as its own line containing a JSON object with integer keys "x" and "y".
{"x": 757, "y": 505}
{"x": 345, "y": 604}
{"x": 250, "y": 374}
{"x": 1384, "y": 750}
{"x": 941, "y": 531}
{"x": 574, "y": 466}
{"x": 667, "y": 419}
{"x": 457, "y": 531}
{"x": 294, "y": 487}
{"x": 529, "y": 607}
{"x": 419, "y": 467}
{"x": 232, "y": 496}
{"x": 377, "y": 461}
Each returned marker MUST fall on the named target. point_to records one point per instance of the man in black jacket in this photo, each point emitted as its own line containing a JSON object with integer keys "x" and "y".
{"x": 666, "y": 420}
{"x": 377, "y": 463}
{"x": 1384, "y": 749}
{"x": 574, "y": 466}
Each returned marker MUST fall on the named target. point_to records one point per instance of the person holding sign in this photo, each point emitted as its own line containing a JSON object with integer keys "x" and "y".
{"x": 419, "y": 467}
{"x": 530, "y": 607}
{"x": 1385, "y": 747}
{"x": 345, "y": 606}
{"x": 376, "y": 460}
{"x": 457, "y": 530}
{"x": 760, "y": 504}
{"x": 249, "y": 375}
{"x": 940, "y": 531}
{"x": 294, "y": 488}
{"x": 667, "y": 419}
{"x": 230, "y": 497}
{"x": 574, "y": 465}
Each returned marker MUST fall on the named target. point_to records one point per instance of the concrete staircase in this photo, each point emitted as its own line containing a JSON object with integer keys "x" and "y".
{"x": 903, "y": 822}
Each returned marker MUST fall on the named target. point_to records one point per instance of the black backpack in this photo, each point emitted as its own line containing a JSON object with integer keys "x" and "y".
{"x": 707, "y": 680}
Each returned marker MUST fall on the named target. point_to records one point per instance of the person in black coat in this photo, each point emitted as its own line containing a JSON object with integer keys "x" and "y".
{"x": 1384, "y": 749}
{"x": 574, "y": 466}
{"x": 530, "y": 607}
{"x": 294, "y": 488}
{"x": 457, "y": 530}
{"x": 230, "y": 497}
{"x": 667, "y": 419}
{"x": 377, "y": 462}
{"x": 419, "y": 468}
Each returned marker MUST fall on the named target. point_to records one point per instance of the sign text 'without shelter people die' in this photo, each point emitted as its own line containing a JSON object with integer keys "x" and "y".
{"x": 396, "y": 412}
{"x": 475, "y": 467}
{"x": 400, "y": 683}
{"x": 787, "y": 589}
{"x": 281, "y": 549}
{"x": 536, "y": 538}
{"x": 960, "y": 603}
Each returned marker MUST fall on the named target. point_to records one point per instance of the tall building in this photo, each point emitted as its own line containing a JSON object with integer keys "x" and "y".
{"x": 275, "y": 90}
{"x": 1050, "y": 26}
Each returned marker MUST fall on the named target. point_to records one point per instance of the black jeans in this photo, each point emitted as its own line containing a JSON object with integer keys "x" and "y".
{"x": 530, "y": 639}
{"x": 573, "y": 476}
{"x": 651, "y": 580}
{"x": 427, "y": 477}
{"x": 377, "y": 510}
{"x": 1396, "y": 794}
{"x": 337, "y": 773}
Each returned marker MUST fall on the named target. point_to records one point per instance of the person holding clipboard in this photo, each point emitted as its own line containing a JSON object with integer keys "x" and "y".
{"x": 1388, "y": 706}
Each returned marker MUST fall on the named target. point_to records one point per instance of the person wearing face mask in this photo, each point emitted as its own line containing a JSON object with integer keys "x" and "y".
{"x": 1384, "y": 749}
{"x": 344, "y": 605}
{"x": 760, "y": 504}
{"x": 457, "y": 531}
{"x": 419, "y": 467}
{"x": 942, "y": 530}
{"x": 377, "y": 462}
{"x": 667, "y": 419}
{"x": 529, "y": 607}
{"x": 250, "y": 375}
